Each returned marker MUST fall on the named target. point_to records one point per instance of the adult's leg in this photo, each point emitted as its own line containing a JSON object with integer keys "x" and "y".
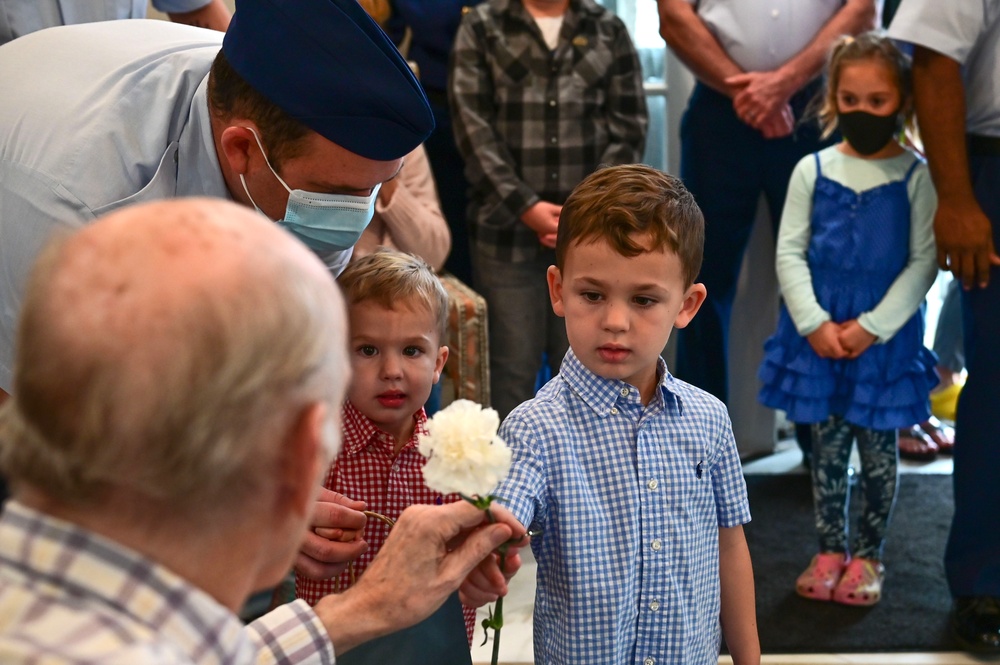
{"x": 879, "y": 474}
{"x": 832, "y": 441}
{"x": 719, "y": 165}
{"x": 517, "y": 302}
{"x": 972, "y": 558}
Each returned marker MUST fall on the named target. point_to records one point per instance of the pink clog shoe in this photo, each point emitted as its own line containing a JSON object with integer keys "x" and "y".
{"x": 821, "y": 577}
{"x": 861, "y": 583}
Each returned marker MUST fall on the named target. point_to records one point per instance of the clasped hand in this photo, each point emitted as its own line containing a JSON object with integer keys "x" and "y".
{"x": 840, "y": 341}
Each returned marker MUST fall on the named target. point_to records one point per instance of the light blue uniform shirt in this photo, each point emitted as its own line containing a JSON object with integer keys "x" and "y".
{"x": 630, "y": 499}
{"x": 967, "y": 31}
{"x": 93, "y": 118}
{"x": 20, "y": 17}
{"x": 761, "y": 35}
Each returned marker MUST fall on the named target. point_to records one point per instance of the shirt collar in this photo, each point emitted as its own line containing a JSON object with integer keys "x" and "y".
{"x": 601, "y": 394}
{"x": 360, "y": 431}
{"x": 198, "y": 169}
{"x": 98, "y": 572}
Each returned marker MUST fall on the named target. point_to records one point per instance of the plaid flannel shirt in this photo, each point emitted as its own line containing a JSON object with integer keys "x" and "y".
{"x": 369, "y": 470}
{"x": 531, "y": 122}
{"x": 68, "y": 595}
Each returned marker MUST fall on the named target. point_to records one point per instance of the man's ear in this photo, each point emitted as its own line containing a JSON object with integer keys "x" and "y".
{"x": 693, "y": 299}
{"x": 301, "y": 461}
{"x": 554, "y": 278}
{"x": 238, "y": 142}
{"x": 442, "y": 358}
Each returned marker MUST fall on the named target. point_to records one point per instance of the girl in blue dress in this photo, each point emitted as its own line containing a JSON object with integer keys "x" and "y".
{"x": 855, "y": 258}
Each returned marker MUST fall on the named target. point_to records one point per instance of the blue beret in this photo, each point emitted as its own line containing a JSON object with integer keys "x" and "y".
{"x": 327, "y": 64}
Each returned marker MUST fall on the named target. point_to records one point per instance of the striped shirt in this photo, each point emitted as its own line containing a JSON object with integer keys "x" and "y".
{"x": 630, "y": 499}
{"x": 368, "y": 469}
{"x": 68, "y": 595}
{"x": 531, "y": 122}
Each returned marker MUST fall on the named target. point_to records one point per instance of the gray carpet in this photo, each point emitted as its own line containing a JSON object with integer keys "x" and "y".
{"x": 913, "y": 613}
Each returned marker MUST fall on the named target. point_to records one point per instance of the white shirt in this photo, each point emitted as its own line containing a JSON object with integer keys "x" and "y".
{"x": 968, "y": 31}
{"x": 761, "y": 35}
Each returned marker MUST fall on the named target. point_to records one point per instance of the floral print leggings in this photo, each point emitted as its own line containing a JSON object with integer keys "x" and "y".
{"x": 832, "y": 441}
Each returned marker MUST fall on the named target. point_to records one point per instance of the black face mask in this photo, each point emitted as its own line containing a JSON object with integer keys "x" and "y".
{"x": 868, "y": 133}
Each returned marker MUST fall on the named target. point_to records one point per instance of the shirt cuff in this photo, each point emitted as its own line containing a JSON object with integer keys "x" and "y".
{"x": 292, "y": 633}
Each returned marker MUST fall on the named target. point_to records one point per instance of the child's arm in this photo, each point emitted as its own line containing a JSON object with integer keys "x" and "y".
{"x": 739, "y": 614}
{"x": 910, "y": 287}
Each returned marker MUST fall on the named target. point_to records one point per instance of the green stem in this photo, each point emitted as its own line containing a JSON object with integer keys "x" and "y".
{"x": 497, "y": 618}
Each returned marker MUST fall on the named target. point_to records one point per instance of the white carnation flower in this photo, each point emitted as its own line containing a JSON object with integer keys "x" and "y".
{"x": 464, "y": 453}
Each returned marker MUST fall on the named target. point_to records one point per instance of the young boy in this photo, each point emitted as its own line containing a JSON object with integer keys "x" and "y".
{"x": 397, "y": 314}
{"x": 542, "y": 93}
{"x": 631, "y": 475}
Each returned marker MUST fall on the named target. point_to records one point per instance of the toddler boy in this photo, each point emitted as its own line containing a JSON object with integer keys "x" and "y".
{"x": 631, "y": 475}
{"x": 397, "y": 314}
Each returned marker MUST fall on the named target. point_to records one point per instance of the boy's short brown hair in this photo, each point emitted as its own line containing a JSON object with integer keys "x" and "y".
{"x": 390, "y": 277}
{"x": 617, "y": 202}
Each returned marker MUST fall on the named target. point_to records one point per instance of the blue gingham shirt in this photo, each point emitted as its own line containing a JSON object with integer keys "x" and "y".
{"x": 68, "y": 595}
{"x": 630, "y": 499}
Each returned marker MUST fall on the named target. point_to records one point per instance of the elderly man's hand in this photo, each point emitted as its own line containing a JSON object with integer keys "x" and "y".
{"x": 335, "y": 537}
{"x": 429, "y": 553}
{"x": 759, "y": 95}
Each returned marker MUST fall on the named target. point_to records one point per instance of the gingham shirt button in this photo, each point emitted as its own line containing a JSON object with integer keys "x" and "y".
{"x": 395, "y": 468}
{"x": 652, "y": 484}
{"x": 614, "y": 411}
{"x": 656, "y": 545}
{"x": 624, "y": 392}
{"x": 649, "y": 661}
{"x": 655, "y": 605}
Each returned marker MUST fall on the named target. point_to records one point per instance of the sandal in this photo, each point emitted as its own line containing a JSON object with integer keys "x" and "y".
{"x": 821, "y": 577}
{"x": 940, "y": 434}
{"x": 916, "y": 446}
{"x": 861, "y": 584}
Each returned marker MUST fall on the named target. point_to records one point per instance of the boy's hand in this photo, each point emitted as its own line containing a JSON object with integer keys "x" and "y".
{"x": 825, "y": 341}
{"x": 543, "y": 219}
{"x": 335, "y": 537}
{"x": 854, "y": 339}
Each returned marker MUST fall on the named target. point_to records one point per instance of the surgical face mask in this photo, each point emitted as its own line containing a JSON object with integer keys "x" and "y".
{"x": 324, "y": 222}
{"x": 866, "y": 132}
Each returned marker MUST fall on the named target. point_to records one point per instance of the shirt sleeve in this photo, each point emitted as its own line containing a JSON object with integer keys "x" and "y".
{"x": 950, "y": 28}
{"x": 523, "y": 490}
{"x": 473, "y": 112}
{"x": 413, "y": 216}
{"x": 179, "y": 6}
{"x": 910, "y": 287}
{"x": 729, "y": 486}
{"x": 291, "y": 633}
{"x": 627, "y": 117}
{"x": 790, "y": 255}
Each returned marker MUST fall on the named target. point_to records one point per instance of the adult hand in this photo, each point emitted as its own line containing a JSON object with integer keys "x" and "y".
{"x": 854, "y": 339}
{"x": 964, "y": 237}
{"x": 778, "y": 125}
{"x": 429, "y": 553}
{"x": 825, "y": 341}
{"x": 335, "y": 537}
{"x": 543, "y": 219}
{"x": 758, "y": 95}
{"x": 487, "y": 582}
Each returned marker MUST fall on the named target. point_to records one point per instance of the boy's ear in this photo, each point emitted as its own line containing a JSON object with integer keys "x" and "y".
{"x": 301, "y": 460}
{"x": 554, "y": 278}
{"x": 442, "y": 358}
{"x": 693, "y": 299}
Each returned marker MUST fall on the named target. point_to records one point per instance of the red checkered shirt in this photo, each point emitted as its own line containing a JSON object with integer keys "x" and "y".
{"x": 369, "y": 470}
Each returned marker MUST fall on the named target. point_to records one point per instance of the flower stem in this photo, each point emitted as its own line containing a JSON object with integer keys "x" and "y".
{"x": 496, "y": 616}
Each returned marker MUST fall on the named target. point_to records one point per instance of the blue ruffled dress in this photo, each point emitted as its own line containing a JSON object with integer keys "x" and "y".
{"x": 859, "y": 245}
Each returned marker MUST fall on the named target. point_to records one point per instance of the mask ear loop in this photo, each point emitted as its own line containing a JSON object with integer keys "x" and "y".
{"x": 266, "y": 160}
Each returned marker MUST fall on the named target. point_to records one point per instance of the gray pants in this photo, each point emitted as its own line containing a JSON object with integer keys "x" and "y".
{"x": 522, "y": 326}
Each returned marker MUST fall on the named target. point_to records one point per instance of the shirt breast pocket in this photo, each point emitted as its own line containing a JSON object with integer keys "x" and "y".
{"x": 163, "y": 184}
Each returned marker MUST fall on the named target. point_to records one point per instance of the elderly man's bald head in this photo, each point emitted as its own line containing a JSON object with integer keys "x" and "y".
{"x": 164, "y": 349}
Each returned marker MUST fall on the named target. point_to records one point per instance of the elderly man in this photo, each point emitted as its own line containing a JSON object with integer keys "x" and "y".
{"x": 176, "y": 395}
{"x": 303, "y": 112}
